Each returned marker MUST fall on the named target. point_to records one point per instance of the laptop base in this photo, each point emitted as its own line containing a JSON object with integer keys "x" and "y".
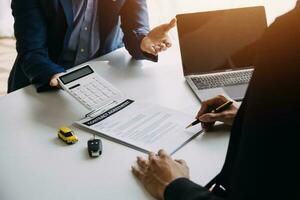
{"x": 235, "y": 92}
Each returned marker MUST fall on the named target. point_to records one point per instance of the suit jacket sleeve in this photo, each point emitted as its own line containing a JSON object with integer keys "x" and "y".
{"x": 31, "y": 34}
{"x": 135, "y": 25}
{"x": 184, "y": 189}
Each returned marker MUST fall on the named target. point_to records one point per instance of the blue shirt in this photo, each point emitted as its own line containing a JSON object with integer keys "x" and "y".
{"x": 84, "y": 42}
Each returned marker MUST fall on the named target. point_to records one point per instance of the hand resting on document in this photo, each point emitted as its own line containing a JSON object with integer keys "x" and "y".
{"x": 158, "y": 171}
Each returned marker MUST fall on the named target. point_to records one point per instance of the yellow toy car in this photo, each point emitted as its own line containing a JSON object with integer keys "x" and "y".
{"x": 67, "y": 135}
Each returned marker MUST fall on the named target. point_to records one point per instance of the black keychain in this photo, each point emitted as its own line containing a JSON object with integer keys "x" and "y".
{"x": 94, "y": 147}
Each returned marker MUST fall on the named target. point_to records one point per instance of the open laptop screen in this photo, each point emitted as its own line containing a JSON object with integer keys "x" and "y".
{"x": 209, "y": 39}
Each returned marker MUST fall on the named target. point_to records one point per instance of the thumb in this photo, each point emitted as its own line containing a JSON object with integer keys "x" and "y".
{"x": 212, "y": 117}
{"x": 182, "y": 162}
{"x": 54, "y": 82}
{"x": 170, "y": 25}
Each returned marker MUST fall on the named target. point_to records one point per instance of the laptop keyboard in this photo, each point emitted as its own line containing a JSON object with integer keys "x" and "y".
{"x": 222, "y": 79}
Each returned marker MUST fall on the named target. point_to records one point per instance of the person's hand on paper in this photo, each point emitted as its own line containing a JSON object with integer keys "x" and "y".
{"x": 54, "y": 80}
{"x": 158, "y": 171}
{"x": 208, "y": 119}
{"x": 158, "y": 39}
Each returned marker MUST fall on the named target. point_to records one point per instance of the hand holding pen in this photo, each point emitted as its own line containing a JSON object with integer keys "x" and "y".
{"x": 216, "y": 109}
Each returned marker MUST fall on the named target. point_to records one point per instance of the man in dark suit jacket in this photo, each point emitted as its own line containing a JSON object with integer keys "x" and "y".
{"x": 261, "y": 161}
{"x": 54, "y": 35}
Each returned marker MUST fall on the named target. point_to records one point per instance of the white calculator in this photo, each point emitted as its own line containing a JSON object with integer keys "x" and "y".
{"x": 89, "y": 88}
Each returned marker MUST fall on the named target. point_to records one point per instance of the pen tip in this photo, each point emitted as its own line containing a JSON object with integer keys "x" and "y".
{"x": 188, "y": 126}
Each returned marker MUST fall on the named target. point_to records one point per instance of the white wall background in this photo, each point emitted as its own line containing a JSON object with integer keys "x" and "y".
{"x": 162, "y": 10}
{"x": 6, "y": 19}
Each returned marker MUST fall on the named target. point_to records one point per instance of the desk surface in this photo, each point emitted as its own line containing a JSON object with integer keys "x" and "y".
{"x": 34, "y": 164}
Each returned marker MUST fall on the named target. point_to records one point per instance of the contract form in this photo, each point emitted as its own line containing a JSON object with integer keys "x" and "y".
{"x": 143, "y": 126}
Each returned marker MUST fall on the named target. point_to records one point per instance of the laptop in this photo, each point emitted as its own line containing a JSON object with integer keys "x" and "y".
{"x": 216, "y": 49}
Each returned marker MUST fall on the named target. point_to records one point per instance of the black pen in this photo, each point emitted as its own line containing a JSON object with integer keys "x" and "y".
{"x": 217, "y": 110}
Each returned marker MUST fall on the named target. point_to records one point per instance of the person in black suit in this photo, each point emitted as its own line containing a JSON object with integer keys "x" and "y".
{"x": 261, "y": 161}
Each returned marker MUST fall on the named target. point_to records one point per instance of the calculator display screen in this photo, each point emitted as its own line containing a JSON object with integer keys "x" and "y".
{"x": 77, "y": 74}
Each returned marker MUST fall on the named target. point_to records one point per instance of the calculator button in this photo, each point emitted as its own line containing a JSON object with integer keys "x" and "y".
{"x": 93, "y": 91}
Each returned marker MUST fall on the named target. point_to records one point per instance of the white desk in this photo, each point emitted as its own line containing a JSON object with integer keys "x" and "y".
{"x": 35, "y": 165}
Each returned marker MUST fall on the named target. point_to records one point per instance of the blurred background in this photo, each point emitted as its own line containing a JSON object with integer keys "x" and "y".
{"x": 160, "y": 11}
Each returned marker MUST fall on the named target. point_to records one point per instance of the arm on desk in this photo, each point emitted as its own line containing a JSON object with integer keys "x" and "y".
{"x": 31, "y": 35}
{"x": 166, "y": 178}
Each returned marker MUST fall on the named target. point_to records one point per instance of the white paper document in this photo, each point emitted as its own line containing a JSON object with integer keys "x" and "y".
{"x": 143, "y": 126}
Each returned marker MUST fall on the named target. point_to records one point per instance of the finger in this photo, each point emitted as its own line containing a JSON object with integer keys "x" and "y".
{"x": 140, "y": 175}
{"x": 163, "y": 46}
{"x": 153, "y": 51}
{"x": 151, "y": 156}
{"x": 206, "y": 118}
{"x": 148, "y": 46}
{"x": 206, "y": 106}
{"x": 182, "y": 162}
{"x": 153, "y": 161}
{"x": 54, "y": 82}
{"x": 212, "y": 117}
{"x": 150, "y": 49}
{"x": 170, "y": 25}
{"x": 168, "y": 44}
{"x": 207, "y": 126}
{"x": 157, "y": 48}
{"x": 163, "y": 154}
{"x": 209, "y": 105}
{"x": 203, "y": 110}
{"x": 142, "y": 163}
{"x": 167, "y": 41}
